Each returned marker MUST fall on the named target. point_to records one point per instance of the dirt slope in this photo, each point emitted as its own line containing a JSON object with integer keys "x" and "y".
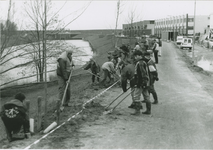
{"x": 81, "y": 89}
{"x": 181, "y": 120}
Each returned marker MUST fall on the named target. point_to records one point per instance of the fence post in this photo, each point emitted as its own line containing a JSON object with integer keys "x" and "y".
{"x": 39, "y": 114}
{"x": 27, "y": 102}
{"x": 58, "y": 111}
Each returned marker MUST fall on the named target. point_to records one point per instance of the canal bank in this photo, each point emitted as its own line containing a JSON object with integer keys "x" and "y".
{"x": 203, "y": 58}
{"x": 81, "y": 91}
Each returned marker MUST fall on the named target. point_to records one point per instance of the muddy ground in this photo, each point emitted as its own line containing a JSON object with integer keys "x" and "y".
{"x": 69, "y": 136}
{"x": 81, "y": 91}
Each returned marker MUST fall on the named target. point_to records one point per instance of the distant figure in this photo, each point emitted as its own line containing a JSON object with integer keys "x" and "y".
{"x": 155, "y": 49}
{"x": 137, "y": 46}
{"x": 64, "y": 67}
{"x": 109, "y": 56}
{"x": 14, "y": 115}
{"x": 160, "y": 46}
{"x": 95, "y": 69}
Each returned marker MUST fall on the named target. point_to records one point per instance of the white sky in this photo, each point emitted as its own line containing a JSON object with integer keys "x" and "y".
{"x": 102, "y": 14}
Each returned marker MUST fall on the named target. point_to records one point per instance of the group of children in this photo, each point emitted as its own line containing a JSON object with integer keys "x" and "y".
{"x": 134, "y": 65}
{"x": 124, "y": 63}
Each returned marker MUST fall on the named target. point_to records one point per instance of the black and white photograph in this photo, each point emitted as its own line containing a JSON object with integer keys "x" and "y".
{"x": 106, "y": 74}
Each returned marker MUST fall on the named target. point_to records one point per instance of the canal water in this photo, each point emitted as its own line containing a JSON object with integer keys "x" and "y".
{"x": 82, "y": 52}
{"x": 203, "y": 57}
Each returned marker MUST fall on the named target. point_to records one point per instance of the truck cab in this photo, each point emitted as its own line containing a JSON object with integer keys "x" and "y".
{"x": 179, "y": 40}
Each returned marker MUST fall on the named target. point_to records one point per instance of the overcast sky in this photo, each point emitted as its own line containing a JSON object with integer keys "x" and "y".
{"x": 102, "y": 14}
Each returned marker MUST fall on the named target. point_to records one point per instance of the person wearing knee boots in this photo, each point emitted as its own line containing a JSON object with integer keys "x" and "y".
{"x": 141, "y": 83}
{"x": 153, "y": 76}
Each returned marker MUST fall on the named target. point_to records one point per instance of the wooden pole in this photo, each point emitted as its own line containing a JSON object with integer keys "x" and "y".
{"x": 28, "y": 106}
{"x": 58, "y": 111}
{"x": 0, "y": 59}
{"x": 39, "y": 114}
{"x": 45, "y": 63}
{"x": 193, "y": 49}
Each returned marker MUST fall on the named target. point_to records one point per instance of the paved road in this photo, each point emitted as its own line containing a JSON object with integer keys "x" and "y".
{"x": 182, "y": 119}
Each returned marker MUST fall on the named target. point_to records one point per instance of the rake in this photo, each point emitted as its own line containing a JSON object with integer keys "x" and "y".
{"x": 115, "y": 99}
{"x": 93, "y": 74}
{"x": 111, "y": 110}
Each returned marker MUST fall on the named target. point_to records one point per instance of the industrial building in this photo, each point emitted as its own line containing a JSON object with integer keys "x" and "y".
{"x": 170, "y": 28}
{"x": 140, "y": 28}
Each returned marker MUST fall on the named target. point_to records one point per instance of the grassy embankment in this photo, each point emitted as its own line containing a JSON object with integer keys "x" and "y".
{"x": 80, "y": 84}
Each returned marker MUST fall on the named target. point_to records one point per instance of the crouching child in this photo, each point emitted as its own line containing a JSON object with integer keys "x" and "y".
{"x": 14, "y": 114}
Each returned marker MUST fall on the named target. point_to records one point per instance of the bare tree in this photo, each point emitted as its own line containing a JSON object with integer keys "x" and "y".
{"x": 34, "y": 51}
{"x": 117, "y": 16}
{"x": 35, "y": 11}
{"x": 117, "y": 19}
{"x": 131, "y": 18}
{"x": 8, "y": 34}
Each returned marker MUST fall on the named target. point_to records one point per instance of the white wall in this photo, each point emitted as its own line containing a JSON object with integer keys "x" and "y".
{"x": 211, "y": 21}
{"x": 201, "y": 23}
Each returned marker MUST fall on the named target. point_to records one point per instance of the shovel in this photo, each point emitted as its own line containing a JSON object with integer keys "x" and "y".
{"x": 115, "y": 99}
{"x": 65, "y": 92}
{"x": 111, "y": 110}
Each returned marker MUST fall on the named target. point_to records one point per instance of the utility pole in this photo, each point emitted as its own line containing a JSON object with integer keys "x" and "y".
{"x": 193, "y": 55}
{"x": 0, "y": 56}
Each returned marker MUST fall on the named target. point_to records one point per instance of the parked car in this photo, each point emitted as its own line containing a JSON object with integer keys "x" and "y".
{"x": 179, "y": 40}
{"x": 186, "y": 43}
{"x": 211, "y": 44}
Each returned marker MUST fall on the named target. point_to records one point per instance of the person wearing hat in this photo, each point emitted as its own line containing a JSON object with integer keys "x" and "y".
{"x": 141, "y": 84}
{"x": 14, "y": 114}
{"x": 65, "y": 65}
{"x": 117, "y": 61}
{"x": 153, "y": 76}
{"x": 95, "y": 69}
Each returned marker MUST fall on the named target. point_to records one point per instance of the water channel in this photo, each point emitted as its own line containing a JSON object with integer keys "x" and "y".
{"x": 82, "y": 52}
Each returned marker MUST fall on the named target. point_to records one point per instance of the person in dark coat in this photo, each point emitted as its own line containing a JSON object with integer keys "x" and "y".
{"x": 14, "y": 114}
{"x": 153, "y": 76}
{"x": 141, "y": 83}
{"x": 95, "y": 69}
{"x": 64, "y": 67}
{"x": 127, "y": 74}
